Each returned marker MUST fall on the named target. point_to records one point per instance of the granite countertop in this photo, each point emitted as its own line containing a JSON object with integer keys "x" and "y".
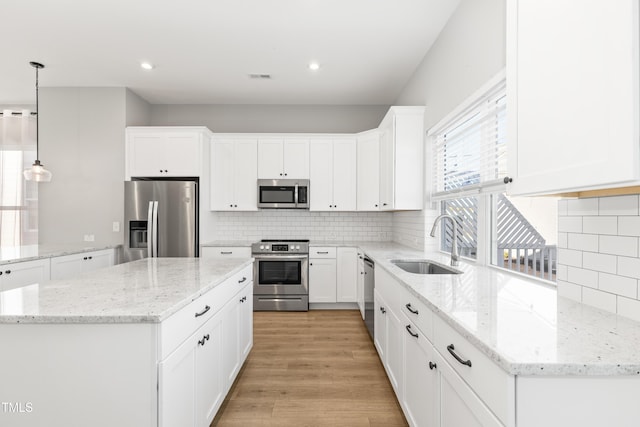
{"x": 34, "y": 252}
{"x": 523, "y": 326}
{"x": 144, "y": 291}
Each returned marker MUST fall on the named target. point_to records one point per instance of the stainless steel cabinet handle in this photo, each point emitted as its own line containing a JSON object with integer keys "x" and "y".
{"x": 411, "y": 308}
{"x": 408, "y": 328}
{"x": 206, "y": 308}
{"x": 451, "y": 350}
{"x": 322, "y": 253}
{"x": 432, "y": 365}
{"x": 244, "y": 279}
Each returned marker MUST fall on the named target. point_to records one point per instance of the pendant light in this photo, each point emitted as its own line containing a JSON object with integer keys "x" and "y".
{"x": 37, "y": 172}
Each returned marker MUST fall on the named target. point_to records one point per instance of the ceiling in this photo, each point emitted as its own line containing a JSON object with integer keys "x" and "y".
{"x": 203, "y": 50}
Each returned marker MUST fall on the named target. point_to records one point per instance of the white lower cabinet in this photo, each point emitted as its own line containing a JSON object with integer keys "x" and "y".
{"x": 18, "y": 274}
{"x": 432, "y": 386}
{"x": 322, "y": 280}
{"x": 333, "y": 274}
{"x": 64, "y": 267}
{"x": 347, "y": 275}
{"x": 195, "y": 377}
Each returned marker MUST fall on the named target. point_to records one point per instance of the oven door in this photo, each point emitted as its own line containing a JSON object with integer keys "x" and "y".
{"x": 281, "y": 275}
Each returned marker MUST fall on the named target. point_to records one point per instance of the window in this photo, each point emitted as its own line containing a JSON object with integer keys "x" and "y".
{"x": 18, "y": 197}
{"x": 469, "y": 163}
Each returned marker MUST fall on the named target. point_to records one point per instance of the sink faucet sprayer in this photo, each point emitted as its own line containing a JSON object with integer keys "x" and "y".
{"x": 454, "y": 247}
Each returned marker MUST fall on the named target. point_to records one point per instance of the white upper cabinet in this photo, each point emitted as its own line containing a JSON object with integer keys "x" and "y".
{"x": 333, "y": 175}
{"x": 165, "y": 151}
{"x": 234, "y": 174}
{"x": 368, "y": 171}
{"x": 283, "y": 158}
{"x": 401, "y": 159}
{"x": 572, "y": 87}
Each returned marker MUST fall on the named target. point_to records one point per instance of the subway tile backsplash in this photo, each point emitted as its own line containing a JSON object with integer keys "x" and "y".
{"x": 599, "y": 252}
{"x": 294, "y": 224}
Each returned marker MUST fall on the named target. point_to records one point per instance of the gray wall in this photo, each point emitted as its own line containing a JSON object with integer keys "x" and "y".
{"x": 469, "y": 51}
{"x": 271, "y": 118}
{"x": 82, "y": 143}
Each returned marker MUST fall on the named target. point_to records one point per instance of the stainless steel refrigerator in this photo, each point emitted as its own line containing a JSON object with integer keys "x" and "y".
{"x": 160, "y": 219}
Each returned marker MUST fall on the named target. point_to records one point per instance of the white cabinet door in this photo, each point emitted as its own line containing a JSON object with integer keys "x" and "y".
{"x": 209, "y": 381}
{"x": 145, "y": 153}
{"x": 420, "y": 381}
{"x": 347, "y": 275}
{"x": 18, "y": 274}
{"x": 246, "y": 175}
{"x": 395, "y": 357}
{"x": 270, "y": 159}
{"x": 386, "y": 164}
{"x": 63, "y": 267}
{"x": 360, "y": 286}
{"x": 296, "y": 158}
{"x": 322, "y": 280}
{"x": 380, "y": 329}
{"x": 344, "y": 175}
{"x": 98, "y": 259}
{"x": 177, "y": 386}
{"x": 573, "y": 113}
{"x": 246, "y": 321}
{"x": 222, "y": 175}
{"x": 368, "y": 170}
{"x": 234, "y": 175}
{"x": 231, "y": 340}
{"x": 182, "y": 154}
{"x": 459, "y": 405}
{"x": 321, "y": 175}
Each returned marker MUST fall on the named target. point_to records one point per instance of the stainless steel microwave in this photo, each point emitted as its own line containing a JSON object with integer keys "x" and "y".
{"x": 283, "y": 193}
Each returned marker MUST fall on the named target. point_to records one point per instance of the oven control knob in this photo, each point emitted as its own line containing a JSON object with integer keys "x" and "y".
{"x": 297, "y": 248}
{"x": 261, "y": 246}
{"x": 267, "y": 247}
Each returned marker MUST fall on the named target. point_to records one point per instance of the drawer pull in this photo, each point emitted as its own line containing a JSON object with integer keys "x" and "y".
{"x": 322, "y": 252}
{"x": 226, "y": 252}
{"x": 432, "y": 365}
{"x": 411, "y": 308}
{"x": 451, "y": 349}
{"x": 244, "y": 279}
{"x": 206, "y": 308}
{"x": 7, "y": 272}
{"x": 204, "y": 339}
{"x": 408, "y": 327}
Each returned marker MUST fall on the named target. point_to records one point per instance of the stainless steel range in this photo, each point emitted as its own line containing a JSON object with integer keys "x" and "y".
{"x": 281, "y": 275}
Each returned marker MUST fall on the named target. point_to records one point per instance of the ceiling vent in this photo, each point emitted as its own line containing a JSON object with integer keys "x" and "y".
{"x": 260, "y": 76}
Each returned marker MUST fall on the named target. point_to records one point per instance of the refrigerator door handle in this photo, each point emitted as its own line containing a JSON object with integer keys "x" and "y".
{"x": 155, "y": 229}
{"x": 150, "y": 228}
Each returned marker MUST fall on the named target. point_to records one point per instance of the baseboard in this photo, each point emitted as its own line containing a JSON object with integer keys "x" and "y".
{"x": 333, "y": 306}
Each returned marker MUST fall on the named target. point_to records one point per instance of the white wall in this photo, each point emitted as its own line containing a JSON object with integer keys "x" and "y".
{"x": 271, "y": 118}
{"x": 469, "y": 51}
{"x": 82, "y": 143}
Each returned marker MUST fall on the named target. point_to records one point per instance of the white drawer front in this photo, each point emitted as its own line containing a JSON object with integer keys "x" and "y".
{"x": 185, "y": 322}
{"x": 417, "y": 312}
{"x": 225, "y": 252}
{"x": 322, "y": 252}
{"x": 495, "y": 387}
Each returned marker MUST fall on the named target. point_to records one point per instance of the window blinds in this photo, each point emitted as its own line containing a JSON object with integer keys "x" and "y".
{"x": 469, "y": 152}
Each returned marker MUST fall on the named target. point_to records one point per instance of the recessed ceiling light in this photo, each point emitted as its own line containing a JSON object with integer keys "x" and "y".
{"x": 314, "y": 66}
{"x": 147, "y": 66}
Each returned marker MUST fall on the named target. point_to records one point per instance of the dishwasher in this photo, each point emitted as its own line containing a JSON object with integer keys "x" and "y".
{"x": 369, "y": 280}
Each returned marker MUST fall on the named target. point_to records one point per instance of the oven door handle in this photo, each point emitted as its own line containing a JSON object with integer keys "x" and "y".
{"x": 278, "y": 257}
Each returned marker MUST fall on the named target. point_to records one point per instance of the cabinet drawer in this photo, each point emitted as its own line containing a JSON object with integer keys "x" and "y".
{"x": 187, "y": 320}
{"x": 494, "y": 386}
{"x": 213, "y": 252}
{"x": 416, "y": 311}
{"x": 322, "y": 252}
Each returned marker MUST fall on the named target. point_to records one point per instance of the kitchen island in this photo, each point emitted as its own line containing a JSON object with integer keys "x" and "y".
{"x": 152, "y": 342}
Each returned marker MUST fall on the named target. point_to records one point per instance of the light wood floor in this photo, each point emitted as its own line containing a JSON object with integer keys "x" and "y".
{"x": 318, "y": 368}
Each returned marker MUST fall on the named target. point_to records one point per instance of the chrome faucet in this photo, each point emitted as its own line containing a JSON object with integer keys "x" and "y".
{"x": 455, "y": 258}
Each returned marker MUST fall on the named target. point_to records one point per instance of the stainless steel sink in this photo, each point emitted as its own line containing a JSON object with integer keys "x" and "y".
{"x": 423, "y": 266}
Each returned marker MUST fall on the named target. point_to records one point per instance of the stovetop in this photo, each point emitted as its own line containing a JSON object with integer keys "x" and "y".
{"x": 272, "y": 246}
